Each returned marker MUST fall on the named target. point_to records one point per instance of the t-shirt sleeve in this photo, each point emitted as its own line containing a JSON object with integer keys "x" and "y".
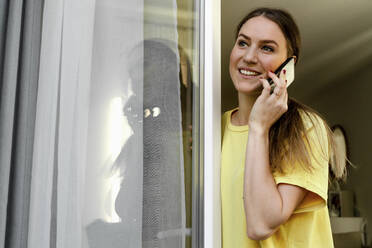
{"x": 314, "y": 180}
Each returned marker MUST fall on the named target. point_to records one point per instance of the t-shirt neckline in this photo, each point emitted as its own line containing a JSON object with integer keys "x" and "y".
{"x": 233, "y": 127}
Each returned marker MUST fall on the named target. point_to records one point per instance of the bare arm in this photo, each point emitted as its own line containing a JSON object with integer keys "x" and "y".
{"x": 266, "y": 205}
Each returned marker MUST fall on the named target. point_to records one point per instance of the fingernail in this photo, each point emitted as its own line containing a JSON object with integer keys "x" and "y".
{"x": 284, "y": 71}
{"x": 286, "y": 81}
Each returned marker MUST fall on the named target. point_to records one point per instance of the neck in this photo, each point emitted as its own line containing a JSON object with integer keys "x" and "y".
{"x": 245, "y": 106}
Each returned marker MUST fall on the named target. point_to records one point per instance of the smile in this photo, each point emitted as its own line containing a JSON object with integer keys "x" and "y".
{"x": 248, "y": 73}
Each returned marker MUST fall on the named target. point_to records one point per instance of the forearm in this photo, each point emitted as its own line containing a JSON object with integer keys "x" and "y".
{"x": 262, "y": 200}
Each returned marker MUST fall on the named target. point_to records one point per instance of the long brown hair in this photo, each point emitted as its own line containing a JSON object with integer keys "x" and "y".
{"x": 290, "y": 127}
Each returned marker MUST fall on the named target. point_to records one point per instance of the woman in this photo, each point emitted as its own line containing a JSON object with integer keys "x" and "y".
{"x": 274, "y": 180}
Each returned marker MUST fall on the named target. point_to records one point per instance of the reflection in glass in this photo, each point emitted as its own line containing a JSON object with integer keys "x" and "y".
{"x": 139, "y": 169}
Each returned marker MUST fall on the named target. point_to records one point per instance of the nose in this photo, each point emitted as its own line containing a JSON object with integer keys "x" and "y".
{"x": 250, "y": 56}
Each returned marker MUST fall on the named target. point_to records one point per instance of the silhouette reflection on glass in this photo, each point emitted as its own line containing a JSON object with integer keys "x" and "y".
{"x": 151, "y": 201}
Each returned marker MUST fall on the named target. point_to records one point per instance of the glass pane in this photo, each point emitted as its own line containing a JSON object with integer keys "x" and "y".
{"x": 143, "y": 125}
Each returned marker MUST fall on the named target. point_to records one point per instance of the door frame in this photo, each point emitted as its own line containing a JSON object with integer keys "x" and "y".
{"x": 210, "y": 92}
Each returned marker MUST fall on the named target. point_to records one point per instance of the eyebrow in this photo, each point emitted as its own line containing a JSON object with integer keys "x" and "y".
{"x": 263, "y": 41}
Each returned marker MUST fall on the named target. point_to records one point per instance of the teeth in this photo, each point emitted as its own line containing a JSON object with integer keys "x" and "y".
{"x": 248, "y": 73}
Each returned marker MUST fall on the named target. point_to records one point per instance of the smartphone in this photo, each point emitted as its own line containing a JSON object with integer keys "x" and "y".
{"x": 287, "y": 65}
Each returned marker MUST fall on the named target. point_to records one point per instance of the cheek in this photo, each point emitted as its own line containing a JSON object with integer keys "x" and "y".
{"x": 270, "y": 64}
{"x": 235, "y": 55}
{"x": 232, "y": 61}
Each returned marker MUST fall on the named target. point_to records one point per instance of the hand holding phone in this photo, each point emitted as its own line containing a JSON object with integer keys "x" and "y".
{"x": 287, "y": 65}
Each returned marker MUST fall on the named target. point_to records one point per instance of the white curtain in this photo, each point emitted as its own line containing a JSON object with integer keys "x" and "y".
{"x": 61, "y": 120}
{"x": 108, "y": 161}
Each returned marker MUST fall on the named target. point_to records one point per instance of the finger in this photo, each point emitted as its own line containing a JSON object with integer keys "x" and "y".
{"x": 284, "y": 94}
{"x": 278, "y": 92}
{"x": 281, "y": 97}
{"x": 266, "y": 87}
{"x": 274, "y": 77}
{"x": 285, "y": 86}
{"x": 279, "y": 84}
{"x": 284, "y": 97}
{"x": 275, "y": 87}
{"x": 286, "y": 101}
{"x": 283, "y": 74}
{"x": 283, "y": 78}
{"x": 283, "y": 101}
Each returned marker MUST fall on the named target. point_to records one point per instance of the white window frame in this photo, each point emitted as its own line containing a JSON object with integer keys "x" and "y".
{"x": 210, "y": 51}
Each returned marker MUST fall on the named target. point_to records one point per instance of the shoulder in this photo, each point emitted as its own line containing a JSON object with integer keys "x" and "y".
{"x": 225, "y": 116}
{"x": 226, "y": 119}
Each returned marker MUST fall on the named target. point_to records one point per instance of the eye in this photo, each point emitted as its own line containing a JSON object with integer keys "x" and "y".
{"x": 242, "y": 43}
{"x": 268, "y": 48}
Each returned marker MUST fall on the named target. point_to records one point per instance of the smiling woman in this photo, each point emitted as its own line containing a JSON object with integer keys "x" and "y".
{"x": 255, "y": 53}
{"x": 274, "y": 144}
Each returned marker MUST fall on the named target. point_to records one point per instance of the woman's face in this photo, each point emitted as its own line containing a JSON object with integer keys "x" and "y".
{"x": 259, "y": 48}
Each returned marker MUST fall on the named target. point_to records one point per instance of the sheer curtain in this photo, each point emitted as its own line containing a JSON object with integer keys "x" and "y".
{"x": 60, "y": 127}
{"x": 107, "y": 167}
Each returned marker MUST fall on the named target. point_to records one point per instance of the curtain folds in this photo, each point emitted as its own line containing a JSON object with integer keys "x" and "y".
{"x": 45, "y": 128}
{"x": 20, "y": 26}
{"x": 61, "y": 125}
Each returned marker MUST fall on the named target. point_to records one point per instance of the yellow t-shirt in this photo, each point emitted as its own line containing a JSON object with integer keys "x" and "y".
{"x": 309, "y": 225}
